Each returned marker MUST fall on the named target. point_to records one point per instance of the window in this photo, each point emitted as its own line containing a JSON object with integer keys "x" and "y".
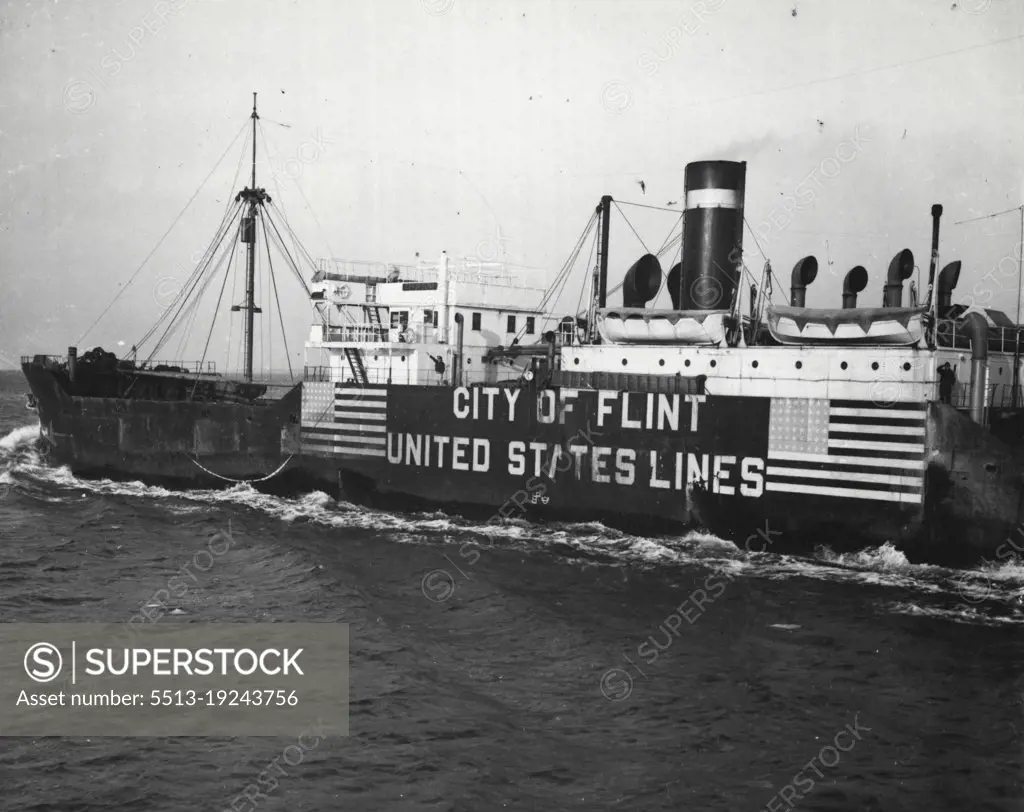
{"x": 428, "y": 316}
{"x": 399, "y": 319}
{"x": 476, "y": 322}
{"x": 529, "y": 325}
{"x": 511, "y": 324}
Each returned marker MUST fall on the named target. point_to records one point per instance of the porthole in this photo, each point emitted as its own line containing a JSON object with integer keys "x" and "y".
{"x": 799, "y": 364}
{"x": 402, "y": 359}
{"x": 686, "y": 363}
{"x": 714, "y": 363}
{"x": 906, "y": 367}
{"x": 843, "y": 365}
{"x": 754, "y": 364}
{"x": 624, "y": 362}
{"x": 874, "y": 365}
{"x": 661, "y": 362}
{"x": 576, "y": 361}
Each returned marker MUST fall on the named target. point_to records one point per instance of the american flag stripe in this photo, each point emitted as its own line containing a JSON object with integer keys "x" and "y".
{"x": 845, "y": 493}
{"x": 873, "y": 407}
{"x": 344, "y": 420}
{"x": 839, "y": 429}
{"x": 849, "y": 476}
{"x": 813, "y": 462}
{"x": 860, "y": 449}
{"x": 343, "y": 415}
{"x": 360, "y": 416}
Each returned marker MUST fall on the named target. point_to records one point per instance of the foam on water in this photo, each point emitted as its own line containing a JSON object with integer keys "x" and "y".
{"x": 988, "y": 593}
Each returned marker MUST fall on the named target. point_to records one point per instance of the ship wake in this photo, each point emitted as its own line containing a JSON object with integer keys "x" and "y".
{"x": 990, "y": 594}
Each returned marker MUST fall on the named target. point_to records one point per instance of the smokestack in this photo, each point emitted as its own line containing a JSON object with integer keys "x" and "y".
{"x": 712, "y": 233}
{"x": 854, "y": 282}
{"x": 804, "y": 273}
{"x": 901, "y": 267}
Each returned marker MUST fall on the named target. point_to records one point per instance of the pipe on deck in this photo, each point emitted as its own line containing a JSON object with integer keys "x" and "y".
{"x": 978, "y": 330}
{"x": 457, "y": 366}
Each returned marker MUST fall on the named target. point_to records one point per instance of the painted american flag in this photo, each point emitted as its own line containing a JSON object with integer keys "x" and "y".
{"x": 344, "y": 419}
{"x": 850, "y": 449}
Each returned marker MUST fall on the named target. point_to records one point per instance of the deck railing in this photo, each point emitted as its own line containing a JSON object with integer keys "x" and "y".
{"x": 494, "y": 375}
{"x": 949, "y": 333}
{"x": 195, "y": 367}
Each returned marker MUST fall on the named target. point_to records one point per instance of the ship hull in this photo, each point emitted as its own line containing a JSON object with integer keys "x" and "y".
{"x": 176, "y": 443}
{"x": 779, "y": 474}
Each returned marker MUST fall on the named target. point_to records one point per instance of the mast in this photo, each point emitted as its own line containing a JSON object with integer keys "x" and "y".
{"x": 255, "y": 198}
{"x": 1015, "y": 399}
{"x": 600, "y": 291}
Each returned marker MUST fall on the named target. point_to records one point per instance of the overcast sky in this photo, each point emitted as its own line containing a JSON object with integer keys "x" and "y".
{"x": 422, "y": 125}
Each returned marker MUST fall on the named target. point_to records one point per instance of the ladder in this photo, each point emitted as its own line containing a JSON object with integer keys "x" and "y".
{"x": 355, "y": 361}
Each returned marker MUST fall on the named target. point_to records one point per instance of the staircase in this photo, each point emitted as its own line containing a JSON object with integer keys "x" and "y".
{"x": 355, "y": 361}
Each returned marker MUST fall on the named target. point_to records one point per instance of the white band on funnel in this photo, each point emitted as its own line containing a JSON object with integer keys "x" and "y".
{"x": 712, "y": 199}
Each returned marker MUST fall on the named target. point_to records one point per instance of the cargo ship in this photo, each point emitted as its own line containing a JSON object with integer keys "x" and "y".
{"x": 771, "y": 425}
{"x": 455, "y": 385}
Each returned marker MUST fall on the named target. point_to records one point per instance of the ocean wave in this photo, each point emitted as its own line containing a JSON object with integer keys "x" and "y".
{"x": 883, "y": 566}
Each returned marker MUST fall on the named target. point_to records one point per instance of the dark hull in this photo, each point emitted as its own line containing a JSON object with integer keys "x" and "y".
{"x": 952, "y": 498}
{"x": 642, "y": 461}
{"x": 177, "y": 443}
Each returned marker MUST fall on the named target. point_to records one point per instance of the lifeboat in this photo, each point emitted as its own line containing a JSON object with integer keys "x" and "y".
{"x": 900, "y": 326}
{"x": 638, "y": 325}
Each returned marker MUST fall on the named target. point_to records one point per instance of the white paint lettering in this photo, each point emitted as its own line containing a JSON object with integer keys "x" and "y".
{"x": 655, "y": 482}
{"x": 512, "y": 396}
{"x": 694, "y": 400}
{"x": 625, "y": 466}
{"x": 517, "y": 458}
{"x": 596, "y": 462}
{"x": 459, "y": 447}
{"x": 626, "y": 422}
{"x": 604, "y": 406}
{"x": 722, "y": 473}
{"x": 460, "y": 402}
{"x": 752, "y": 469}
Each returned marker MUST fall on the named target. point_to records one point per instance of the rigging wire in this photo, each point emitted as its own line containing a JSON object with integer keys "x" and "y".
{"x": 277, "y": 186}
{"x": 306, "y": 201}
{"x": 989, "y": 216}
{"x": 216, "y": 310}
{"x": 186, "y": 291}
{"x": 566, "y": 272}
{"x": 193, "y": 302}
{"x": 164, "y": 237}
{"x": 647, "y": 206}
{"x": 566, "y": 268}
{"x": 289, "y": 230}
{"x": 292, "y": 264}
{"x": 184, "y": 296}
{"x": 862, "y": 72}
{"x": 631, "y": 227}
{"x": 763, "y": 255}
{"x": 583, "y": 287}
{"x": 280, "y": 312}
{"x": 204, "y": 260}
